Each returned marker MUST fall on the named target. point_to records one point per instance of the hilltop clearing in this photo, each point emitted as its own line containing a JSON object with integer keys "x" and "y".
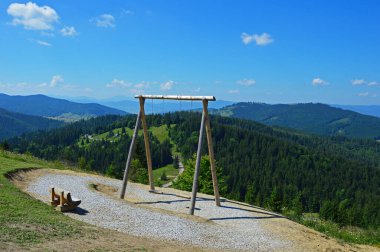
{"x": 162, "y": 216}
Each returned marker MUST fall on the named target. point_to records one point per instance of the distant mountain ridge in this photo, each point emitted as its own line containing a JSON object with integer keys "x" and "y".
{"x": 314, "y": 118}
{"x": 159, "y": 106}
{"x": 14, "y": 124}
{"x": 41, "y": 105}
{"x": 372, "y": 110}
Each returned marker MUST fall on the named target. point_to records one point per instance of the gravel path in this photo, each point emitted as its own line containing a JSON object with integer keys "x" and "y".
{"x": 232, "y": 227}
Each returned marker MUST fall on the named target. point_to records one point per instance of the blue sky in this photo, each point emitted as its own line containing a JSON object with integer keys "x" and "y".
{"x": 266, "y": 51}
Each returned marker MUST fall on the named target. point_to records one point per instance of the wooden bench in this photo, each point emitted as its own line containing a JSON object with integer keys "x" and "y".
{"x": 62, "y": 200}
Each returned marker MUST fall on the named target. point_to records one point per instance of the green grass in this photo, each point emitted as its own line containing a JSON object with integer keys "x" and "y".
{"x": 24, "y": 220}
{"x": 170, "y": 171}
{"x": 160, "y": 132}
{"x": 348, "y": 234}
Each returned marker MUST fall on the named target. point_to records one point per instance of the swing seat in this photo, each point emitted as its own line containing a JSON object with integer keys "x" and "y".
{"x": 62, "y": 200}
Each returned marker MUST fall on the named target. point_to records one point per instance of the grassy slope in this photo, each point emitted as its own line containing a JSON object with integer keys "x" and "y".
{"x": 160, "y": 132}
{"x": 170, "y": 171}
{"x": 24, "y": 220}
{"x": 29, "y": 224}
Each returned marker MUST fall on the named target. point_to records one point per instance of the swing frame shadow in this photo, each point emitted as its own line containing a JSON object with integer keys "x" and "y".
{"x": 205, "y": 122}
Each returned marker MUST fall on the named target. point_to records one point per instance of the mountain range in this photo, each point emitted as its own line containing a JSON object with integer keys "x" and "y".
{"x": 41, "y": 105}
{"x": 314, "y": 118}
{"x": 317, "y": 118}
{"x": 372, "y": 110}
{"x": 155, "y": 106}
{"x": 14, "y": 124}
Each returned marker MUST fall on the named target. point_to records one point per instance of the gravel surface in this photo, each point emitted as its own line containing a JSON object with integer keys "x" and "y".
{"x": 231, "y": 227}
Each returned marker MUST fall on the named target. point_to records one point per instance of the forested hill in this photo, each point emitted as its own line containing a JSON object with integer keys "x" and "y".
{"x": 265, "y": 166}
{"x": 309, "y": 117}
{"x": 14, "y": 124}
{"x": 41, "y": 105}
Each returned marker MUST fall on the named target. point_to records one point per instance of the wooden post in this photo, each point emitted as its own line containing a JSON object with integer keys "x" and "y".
{"x": 211, "y": 154}
{"x": 61, "y": 199}
{"x": 130, "y": 154}
{"x": 197, "y": 165}
{"x": 147, "y": 145}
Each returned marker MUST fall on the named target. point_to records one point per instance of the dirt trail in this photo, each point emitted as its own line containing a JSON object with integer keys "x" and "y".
{"x": 211, "y": 229}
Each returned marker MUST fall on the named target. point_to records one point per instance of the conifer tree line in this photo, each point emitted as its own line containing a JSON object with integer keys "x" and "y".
{"x": 266, "y": 166}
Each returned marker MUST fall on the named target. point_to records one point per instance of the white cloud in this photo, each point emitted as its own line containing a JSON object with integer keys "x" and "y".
{"x": 116, "y": 83}
{"x": 167, "y": 85}
{"x": 68, "y": 31}
{"x": 233, "y": 91}
{"x": 261, "y": 40}
{"x": 128, "y": 12}
{"x": 319, "y": 82}
{"x": 363, "y": 94}
{"x": 246, "y": 82}
{"x": 104, "y": 20}
{"x": 197, "y": 90}
{"x": 374, "y": 83}
{"x": 137, "y": 91}
{"x": 32, "y": 16}
{"x": 43, "y": 43}
{"x": 358, "y": 82}
{"x": 142, "y": 85}
{"x": 55, "y": 80}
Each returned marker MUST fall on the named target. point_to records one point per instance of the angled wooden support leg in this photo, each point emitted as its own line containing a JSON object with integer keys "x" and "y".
{"x": 211, "y": 154}
{"x": 130, "y": 154}
{"x": 197, "y": 166}
{"x": 147, "y": 145}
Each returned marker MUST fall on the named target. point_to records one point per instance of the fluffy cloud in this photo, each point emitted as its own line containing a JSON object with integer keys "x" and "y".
{"x": 43, "y": 43}
{"x": 374, "y": 83}
{"x": 142, "y": 85}
{"x": 358, "y": 82}
{"x": 118, "y": 84}
{"x": 55, "y": 80}
{"x": 233, "y": 91}
{"x": 127, "y": 12}
{"x": 246, "y": 82}
{"x": 260, "y": 40}
{"x": 319, "y": 82}
{"x": 167, "y": 85}
{"x": 32, "y": 16}
{"x": 363, "y": 94}
{"x": 68, "y": 31}
{"x": 104, "y": 20}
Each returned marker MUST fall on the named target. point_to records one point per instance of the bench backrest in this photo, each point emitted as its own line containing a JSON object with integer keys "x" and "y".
{"x": 58, "y": 192}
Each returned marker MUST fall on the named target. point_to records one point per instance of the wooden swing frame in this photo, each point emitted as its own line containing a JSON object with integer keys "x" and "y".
{"x": 204, "y": 122}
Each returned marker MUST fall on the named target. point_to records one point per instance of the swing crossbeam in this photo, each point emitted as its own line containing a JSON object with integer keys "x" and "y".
{"x": 177, "y": 97}
{"x": 205, "y": 123}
